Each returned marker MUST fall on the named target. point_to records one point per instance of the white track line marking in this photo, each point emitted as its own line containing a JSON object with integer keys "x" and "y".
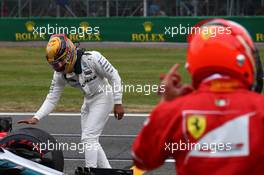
{"x": 117, "y": 160}
{"x": 103, "y": 135}
{"x": 114, "y": 160}
{"x": 66, "y": 114}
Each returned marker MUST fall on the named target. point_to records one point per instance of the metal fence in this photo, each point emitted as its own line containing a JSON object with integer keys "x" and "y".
{"x": 108, "y": 8}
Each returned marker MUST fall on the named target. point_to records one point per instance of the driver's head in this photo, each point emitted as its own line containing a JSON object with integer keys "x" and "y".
{"x": 61, "y": 53}
{"x": 229, "y": 51}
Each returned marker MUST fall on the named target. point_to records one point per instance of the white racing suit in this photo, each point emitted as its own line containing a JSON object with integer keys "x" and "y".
{"x": 93, "y": 80}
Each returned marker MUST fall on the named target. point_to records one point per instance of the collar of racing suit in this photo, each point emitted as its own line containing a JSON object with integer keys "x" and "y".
{"x": 220, "y": 83}
{"x": 77, "y": 65}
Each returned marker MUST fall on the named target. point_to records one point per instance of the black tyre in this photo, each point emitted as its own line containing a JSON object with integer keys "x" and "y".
{"x": 26, "y": 142}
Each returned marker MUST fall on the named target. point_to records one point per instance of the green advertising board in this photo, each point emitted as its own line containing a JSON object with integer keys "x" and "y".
{"x": 126, "y": 29}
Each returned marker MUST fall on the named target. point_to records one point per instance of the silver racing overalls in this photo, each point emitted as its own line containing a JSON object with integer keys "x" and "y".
{"x": 101, "y": 85}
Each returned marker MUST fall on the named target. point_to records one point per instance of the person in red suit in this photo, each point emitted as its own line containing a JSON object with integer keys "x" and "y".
{"x": 216, "y": 128}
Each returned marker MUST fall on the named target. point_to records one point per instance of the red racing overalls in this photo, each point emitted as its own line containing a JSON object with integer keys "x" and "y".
{"x": 216, "y": 130}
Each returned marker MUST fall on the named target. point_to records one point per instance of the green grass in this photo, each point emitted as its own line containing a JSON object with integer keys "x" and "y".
{"x": 25, "y": 76}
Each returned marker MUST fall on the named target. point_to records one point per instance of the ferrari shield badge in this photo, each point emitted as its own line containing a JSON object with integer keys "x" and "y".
{"x": 196, "y": 125}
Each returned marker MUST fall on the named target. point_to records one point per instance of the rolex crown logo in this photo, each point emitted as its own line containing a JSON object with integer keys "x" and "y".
{"x": 84, "y": 25}
{"x": 148, "y": 26}
{"x": 30, "y": 26}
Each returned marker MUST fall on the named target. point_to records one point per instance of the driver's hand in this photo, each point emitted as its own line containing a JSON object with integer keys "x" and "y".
{"x": 119, "y": 111}
{"x": 172, "y": 85}
{"x": 31, "y": 121}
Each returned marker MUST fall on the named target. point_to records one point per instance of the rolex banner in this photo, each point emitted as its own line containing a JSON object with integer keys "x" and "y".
{"x": 126, "y": 29}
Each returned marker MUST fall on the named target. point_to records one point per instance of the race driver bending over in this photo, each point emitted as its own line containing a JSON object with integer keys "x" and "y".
{"x": 90, "y": 72}
{"x": 219, "y": 126}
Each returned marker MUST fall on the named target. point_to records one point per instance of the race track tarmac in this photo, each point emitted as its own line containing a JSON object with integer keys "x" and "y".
{"x": 116, "y": 140}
